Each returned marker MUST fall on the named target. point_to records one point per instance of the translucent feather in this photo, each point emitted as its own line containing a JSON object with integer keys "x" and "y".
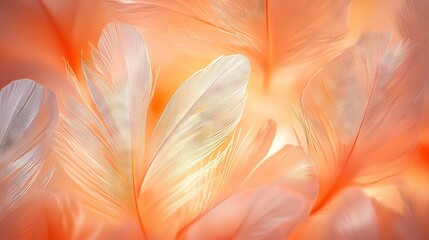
{"x": 349, "y": 215}
{"x": 196, "y": 121}
{"x": 285, "y": 181}
{"x": 28, "y": 119}
{"x": 102, "y": 135}
{"x": 266, "y": 212}
{"x": 270, "y": 33}
{"x": 413, "y": 21}
{"x": 362, "y": 112}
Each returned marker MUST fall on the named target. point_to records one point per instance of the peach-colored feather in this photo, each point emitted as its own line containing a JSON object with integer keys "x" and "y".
{"x": 415, "y": 182}
{"x": 45, "y": 215}
{"x": 285, "y": 181}
{"x": 271, "y": 33}
{"x": 413, "y": 21}
{"x": 362, "y": 112}
{"x": 38, "y": 36}
{"x": 350, "y": 215}
{"x": 267, "y": 212}
{"x": 394, "y": 225}
{"x": 185, "y": 173}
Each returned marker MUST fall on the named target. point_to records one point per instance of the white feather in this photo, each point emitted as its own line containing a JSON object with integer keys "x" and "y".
{"x": 28, "y": 118}
{"x": 196, "y": 121}
{"x": 103, "y": 138}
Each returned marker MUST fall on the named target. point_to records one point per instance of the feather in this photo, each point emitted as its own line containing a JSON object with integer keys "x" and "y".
{"x": 102, "y": 135}
{"x": 394, "y": 225}
{"x": 361, "y": 113}
{"x": 48, "y": 215}
{"x": 269, "y": 33}
{"x": 415, "y": 180}
{"x": 266, "y": 212}
{"x": 251, "y": 167}
{"x": 387, "y": 193}
{"x": 252, "y": 154}
{"x": 102, "y": 138}
{"x": 243, "y": 179}
{"x": 60, "y": 30}
{"x": 350, "y": 215}
{"x": 196, "y": 121}
{"x": 28, "y": 119}
{"x": 413, "y": 21}
{"x": 292, "y": 167}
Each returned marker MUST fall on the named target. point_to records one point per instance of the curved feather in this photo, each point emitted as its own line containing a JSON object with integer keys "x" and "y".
{"x": 102, "y": 137}
{"x": 28, "y": 119}
{"x": 394, "y": 225}
{"x": 196, "y": 121}
{"x": 413, "y": 21}
{"x": 415, "y": 179}
{"x": 267, "y": 212}
{"x": 350, "y": 215}
{"x": 250, "y": 167}
{"x": 290, "y": 166}
{"x": 362, "y": 112}
{"x": 253, "y": 153}
{"x": 270, "y": 32}
{"x": 247, "y": 182}
{"x": 48, "y": 215}
{"x": 60, "y": 30}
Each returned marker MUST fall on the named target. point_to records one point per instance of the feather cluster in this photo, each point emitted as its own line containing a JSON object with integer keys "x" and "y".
{"x": 96, "y": 161}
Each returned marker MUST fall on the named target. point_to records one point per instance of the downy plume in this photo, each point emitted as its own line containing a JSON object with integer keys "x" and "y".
{"x": 102, "y": 136}
{"x": 413, "y": 21}
{"x": 258, "y": 197}
{"x": 193, "y": 169}
{"x": 361, "y": 112}
{"x": 28, "y": 119}
{"x": 349, "y": 215}
{"x": 271, "y": 34}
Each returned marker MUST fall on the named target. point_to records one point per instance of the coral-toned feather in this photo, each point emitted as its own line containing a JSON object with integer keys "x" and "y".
{"x": 413, "y": 21}
{"x": 362, "y": 112}
{"x": 349, "y": 215}
{"x": 266, "y": 212}
{"x": 270, "y": 33}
